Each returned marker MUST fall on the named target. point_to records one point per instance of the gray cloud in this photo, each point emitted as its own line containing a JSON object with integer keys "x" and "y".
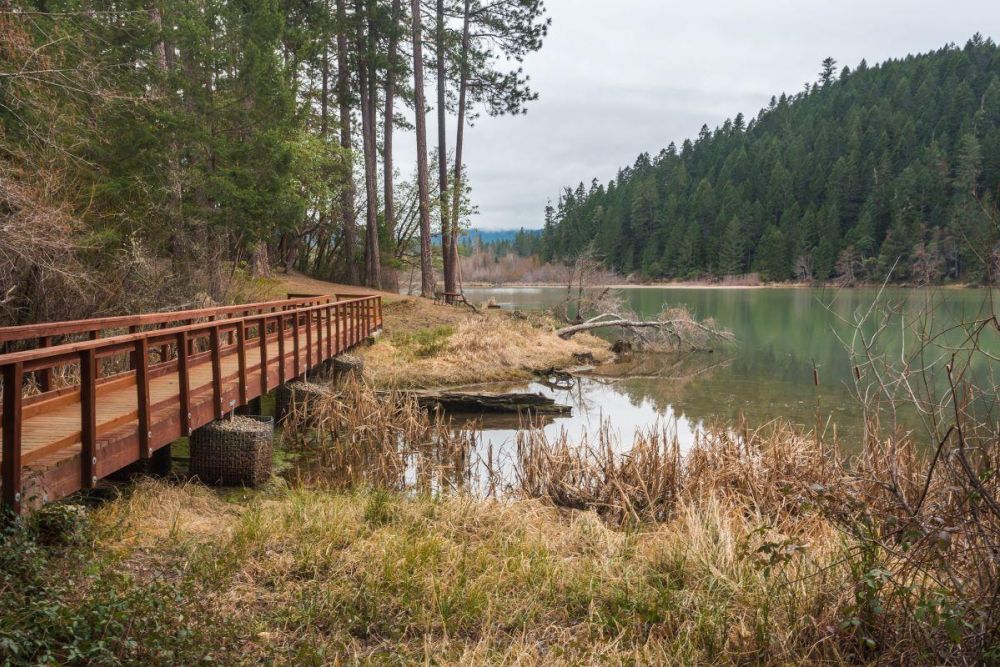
{"x": 619, "y": 77}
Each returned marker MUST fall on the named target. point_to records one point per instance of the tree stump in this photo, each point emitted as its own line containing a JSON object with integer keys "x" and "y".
{"x": 233, "y": 452}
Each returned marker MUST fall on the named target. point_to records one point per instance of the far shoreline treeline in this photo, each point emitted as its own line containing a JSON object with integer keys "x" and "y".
{"x": 887, "y": 171}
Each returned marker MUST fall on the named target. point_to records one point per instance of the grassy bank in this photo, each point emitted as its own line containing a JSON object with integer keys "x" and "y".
{"x": 755, "y": 547}
{"x": 428, "y": 345}
{"x": 177, "y": 574}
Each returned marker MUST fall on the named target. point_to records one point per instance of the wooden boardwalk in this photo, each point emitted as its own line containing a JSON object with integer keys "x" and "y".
{"x": 92, "y": 396}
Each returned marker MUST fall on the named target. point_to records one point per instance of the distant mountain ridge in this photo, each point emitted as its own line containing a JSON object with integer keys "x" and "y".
{"x": 488, "y": 236}
{"x": 894, "y": 167}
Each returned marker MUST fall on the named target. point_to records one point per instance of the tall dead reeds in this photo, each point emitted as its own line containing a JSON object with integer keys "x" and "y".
{"x": 358, "y": 436}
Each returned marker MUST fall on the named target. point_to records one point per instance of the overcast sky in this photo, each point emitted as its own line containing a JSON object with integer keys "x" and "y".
{"x": 618, "y": 77}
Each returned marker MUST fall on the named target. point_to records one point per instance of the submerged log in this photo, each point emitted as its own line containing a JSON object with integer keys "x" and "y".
{"x": 511, "y": 402}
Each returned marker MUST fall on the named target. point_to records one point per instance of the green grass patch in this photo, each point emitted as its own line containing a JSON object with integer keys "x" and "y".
{"x": 422, "y": 343}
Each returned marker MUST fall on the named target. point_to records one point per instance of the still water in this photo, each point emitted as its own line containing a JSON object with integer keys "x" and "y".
{"x": 786, "y": 340}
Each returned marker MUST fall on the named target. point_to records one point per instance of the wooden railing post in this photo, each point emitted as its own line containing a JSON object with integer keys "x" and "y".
{"x": 184, "y": 382}
{"x": 282, "y": 372}
{"x": 88, "y": 418}
{"x": 262, "y": 341}
{"x": 338, "y": 314}
{"x": 141, "y": 357}
{"x": 164, "y": 349}
{"x": 309, "y": 341}
{"x": 131, "y": 355}
{"x": 10, "y": 429}
{"x": 330, "y": 343}
{"x": 295, "y": 343}
{"x": 213, "y": 341}
{"x": 320, "y": 352}
{"x": 241, "y": 352}
{"x": 45, "y": 375}
{"x": 352, "y": 322}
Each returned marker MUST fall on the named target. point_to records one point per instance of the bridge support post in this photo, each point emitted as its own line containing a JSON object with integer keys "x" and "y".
{"x": 159, "y": 464}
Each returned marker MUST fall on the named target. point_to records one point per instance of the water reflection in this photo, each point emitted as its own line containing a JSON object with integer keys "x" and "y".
{"x": 783, "y": 336}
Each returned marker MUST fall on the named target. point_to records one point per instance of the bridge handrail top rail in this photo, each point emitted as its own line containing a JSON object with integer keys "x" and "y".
{"x": 63, "y": 327}
{"x": 58, "y": 352}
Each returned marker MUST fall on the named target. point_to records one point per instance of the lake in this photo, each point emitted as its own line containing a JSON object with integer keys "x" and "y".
{"x": 782, "y": 336}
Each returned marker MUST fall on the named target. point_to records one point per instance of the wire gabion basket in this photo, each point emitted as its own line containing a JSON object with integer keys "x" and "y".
{"x": 300, "y": 395}
{"x": 233, "y": 452}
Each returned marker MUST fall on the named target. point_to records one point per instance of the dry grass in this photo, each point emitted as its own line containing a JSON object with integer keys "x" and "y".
{"x": 368, "y": 577}
{"x": 754, "y": 547}
{"x": 467, "y": 347}
{"x": 470, "y": 348}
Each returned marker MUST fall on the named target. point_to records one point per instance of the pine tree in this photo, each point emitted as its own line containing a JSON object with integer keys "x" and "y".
{"x": 836, "y": 166}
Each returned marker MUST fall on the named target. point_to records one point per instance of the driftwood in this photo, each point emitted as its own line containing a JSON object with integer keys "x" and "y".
{"x": 513, "y": 402}
{"x": 673, "y": 327}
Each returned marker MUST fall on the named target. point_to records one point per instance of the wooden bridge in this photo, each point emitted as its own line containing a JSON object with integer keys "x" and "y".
{"x": 83, "y": 399}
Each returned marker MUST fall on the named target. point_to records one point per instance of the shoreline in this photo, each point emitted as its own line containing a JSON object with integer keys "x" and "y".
{"x": 717, "y": 286}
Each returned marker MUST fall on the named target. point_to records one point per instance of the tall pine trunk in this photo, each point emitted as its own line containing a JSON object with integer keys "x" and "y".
{"x": 442, "y": 116}
{"x": 423, "y": 188}
{"x": 367, "y": 89}
{"x": 463, "y": 86}
{"x": 344, "y": 100}
{"x": 390, "y": 91}
{"x": 165, "y": 61}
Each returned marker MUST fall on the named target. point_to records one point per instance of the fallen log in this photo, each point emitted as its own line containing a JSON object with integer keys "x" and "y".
{"x": 683, "y": 330}
{"x": 512, "y": 402}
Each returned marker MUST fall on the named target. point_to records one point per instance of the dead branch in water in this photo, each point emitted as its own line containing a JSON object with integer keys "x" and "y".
{"x": 679, "y": 329}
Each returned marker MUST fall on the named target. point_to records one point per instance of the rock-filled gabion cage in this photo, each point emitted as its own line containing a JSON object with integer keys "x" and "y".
{"x": 346, "y": 366}
{"x": 300, "y": 396}
{"x": 233, "y": 452}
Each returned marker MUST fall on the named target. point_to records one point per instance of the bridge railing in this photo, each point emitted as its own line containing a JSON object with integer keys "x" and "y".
{"x": 49, "y": 334}
{"x": 328, "y": 327}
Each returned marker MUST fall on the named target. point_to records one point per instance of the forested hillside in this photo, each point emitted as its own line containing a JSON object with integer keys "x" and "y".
{"x": 870, "y": 168}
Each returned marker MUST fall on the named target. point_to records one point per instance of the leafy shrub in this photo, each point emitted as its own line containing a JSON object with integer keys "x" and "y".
{"x": 77, "y": 609}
